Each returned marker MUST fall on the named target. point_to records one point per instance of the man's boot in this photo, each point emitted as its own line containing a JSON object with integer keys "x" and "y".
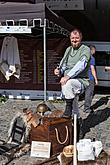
{"x": 68, "y": 108}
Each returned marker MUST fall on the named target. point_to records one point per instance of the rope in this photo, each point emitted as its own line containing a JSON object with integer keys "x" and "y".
{"x": 58, "y": 136}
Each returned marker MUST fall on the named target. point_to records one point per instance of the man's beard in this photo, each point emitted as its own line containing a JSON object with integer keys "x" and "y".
{"x": 76, "y": 45}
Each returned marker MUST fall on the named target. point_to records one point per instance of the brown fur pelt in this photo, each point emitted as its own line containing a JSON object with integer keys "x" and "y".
{"x": 103, "y": 159}
{"x": 14, "y": 153}
{"x": 32, "y": 118}
{"x": 28, "y": 127}
{"x": 24, "y": 149}
{"x": 55, "y": 113}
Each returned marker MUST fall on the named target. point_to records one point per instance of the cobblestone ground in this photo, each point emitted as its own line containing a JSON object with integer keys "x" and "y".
{"x": 96, "y": 125}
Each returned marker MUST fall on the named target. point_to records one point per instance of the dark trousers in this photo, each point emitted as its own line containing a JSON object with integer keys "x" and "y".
{"x": 89, "y": 96}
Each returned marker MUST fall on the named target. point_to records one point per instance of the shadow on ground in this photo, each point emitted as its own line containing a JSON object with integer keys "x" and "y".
{"x": 100, "y": 102}
{"x": 94, "y": 119}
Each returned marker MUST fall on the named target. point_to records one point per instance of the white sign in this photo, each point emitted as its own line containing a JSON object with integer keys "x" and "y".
{"x": 15, "y": 29}
{"x": 63, "y": 4}
{"x": 40, "y": 149}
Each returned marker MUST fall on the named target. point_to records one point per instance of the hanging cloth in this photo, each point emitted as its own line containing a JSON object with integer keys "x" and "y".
{"x": 9, "y": 58}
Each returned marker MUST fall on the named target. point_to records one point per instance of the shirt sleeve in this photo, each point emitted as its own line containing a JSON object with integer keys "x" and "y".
{"x": 78, "y": 68}
{"x": 92, "y": 61}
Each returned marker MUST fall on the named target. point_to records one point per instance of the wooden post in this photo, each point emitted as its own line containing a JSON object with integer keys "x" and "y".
{"x": 75, "y": 140}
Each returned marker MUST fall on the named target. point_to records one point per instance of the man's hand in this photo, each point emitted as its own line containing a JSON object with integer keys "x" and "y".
{"x": 57, "y": 72}
{"x": 96, "y": 82}
{"x": 64, "y": 80}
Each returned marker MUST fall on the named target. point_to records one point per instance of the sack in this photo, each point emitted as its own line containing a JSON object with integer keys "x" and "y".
{"x": 97, "y": 145}
{"x": 85, "y": 150}
{"x": 58, "y": 131}
{"x": 88, "y": 150}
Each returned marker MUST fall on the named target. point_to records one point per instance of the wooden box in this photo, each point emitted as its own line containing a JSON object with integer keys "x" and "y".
{"x": 58, "y": 131}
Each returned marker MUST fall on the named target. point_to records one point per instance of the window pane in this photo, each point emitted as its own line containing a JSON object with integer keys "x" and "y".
{"x": 102, "y": 58}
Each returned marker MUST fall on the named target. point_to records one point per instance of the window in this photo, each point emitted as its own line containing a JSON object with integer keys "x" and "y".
{"x": 102, "y": 58}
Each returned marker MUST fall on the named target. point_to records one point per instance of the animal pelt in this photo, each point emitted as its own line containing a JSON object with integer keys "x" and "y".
{"x": 28, "y": 127}
{"x": 28, "y": 118}
{"x": 55, "y": 113}
{"x": 24, "y": 147}
{"x": 22, "y": 150}
{"x": 3, "y": 160}
{"x": 14, "y": 153}
{"x": 32, "y": 118}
